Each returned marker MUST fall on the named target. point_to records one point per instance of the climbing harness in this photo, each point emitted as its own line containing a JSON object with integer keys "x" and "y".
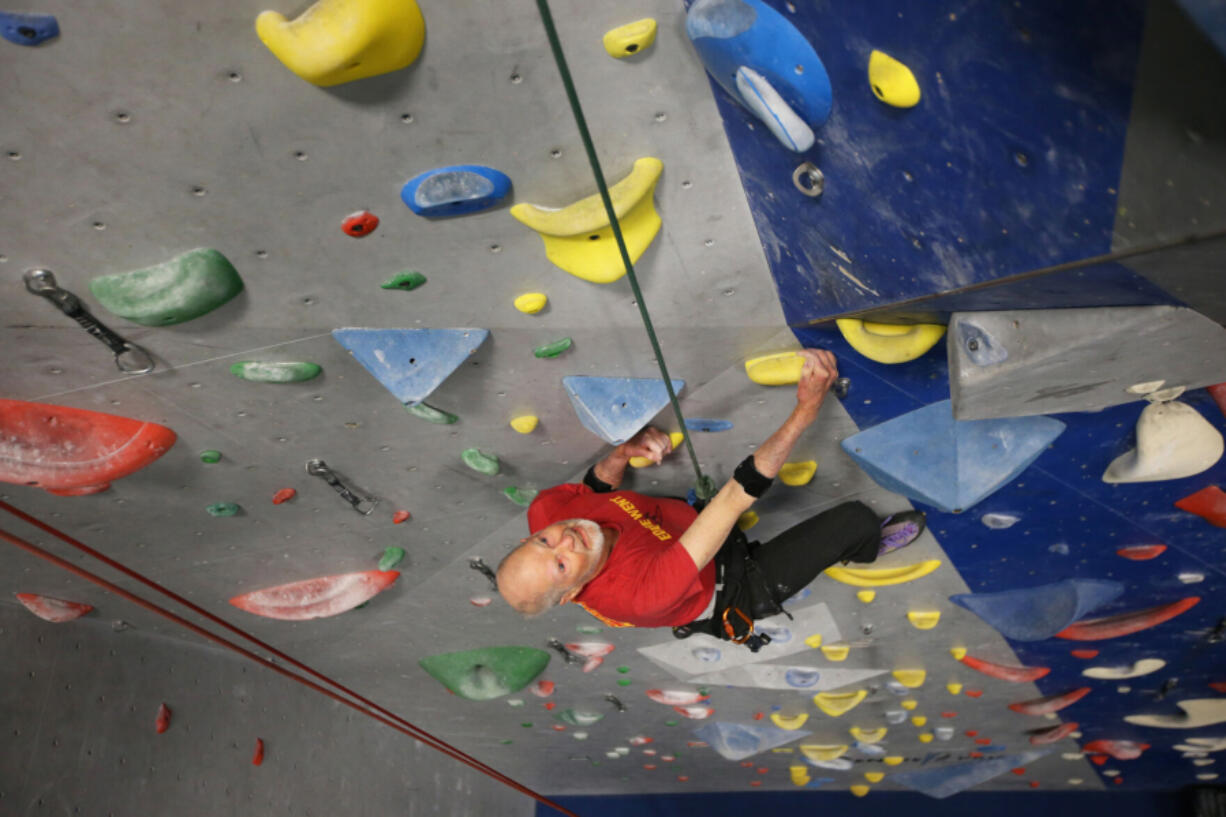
{"x": 129, "y": 357}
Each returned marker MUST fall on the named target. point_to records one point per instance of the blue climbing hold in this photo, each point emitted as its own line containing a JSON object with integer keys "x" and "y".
{"x": 949, "y": 464}
{"x": 737, "y": 741}
{"x": 615, "y": 408}
{"x": 801, "y": 677}
{"x": 455, "y": 190}
{"x": 765, "y": 63}
{"x": 410, "y": 363}
{"x": 948, "y": 780}
{"x": 28, "y": 29}
{"x": 1036, "y": 613}
{"x": 703, "y": 424}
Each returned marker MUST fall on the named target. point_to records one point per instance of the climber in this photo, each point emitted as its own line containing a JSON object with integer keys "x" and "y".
{"x": 635, "y": 560}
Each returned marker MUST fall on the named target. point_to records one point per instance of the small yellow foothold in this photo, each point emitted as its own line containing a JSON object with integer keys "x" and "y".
{"x": 891, "y": 81}
{"x": 800, "y": 775}
{"x": 910, "y": 678}
{"x": 919, "y": 720}
{"x": 746, "y": 521}
{"x": 892, "y": 760}
{"x": 874, "y": 777}
{"x": 675, "y": 437}
{"x": 531, "y": 302}
{"x": 954, "y": 688}
{"x": 866, "y": 596}
{"x": 632, "y": 38}
{"x": 835, "y": 704}
{"x": 836, "y": 652}
{"x": 924, "y": 619}
{"x": 814, "y": 641}
{"x": 525, "y": 423}
{"x": 797, "y": 473}
{"x": 868, "y": 735}
{"x": 883, "y": 576}
{"x": 789, "y": 722}
{"x": 887, "y": 342}
{"x": 925, "y": 737}
{"x": 819, "y": 751}
{"x": 859, "y": 790}
{"x": 958, "y": 653}
{"x": 779, "y": 369}
{"x": 910, "y": 704}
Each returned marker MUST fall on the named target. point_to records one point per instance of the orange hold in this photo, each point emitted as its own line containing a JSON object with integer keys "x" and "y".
{"x": 1209, "y": 502}
{"x": 162, "y": 723}
{"x": 550, "y": 705}
{"x": 1084, "y": 654}
{"x": 1096, "y": 629}
{"x": 649, "y": 766}
{"x": 1034, "y": 784}
{"x": 757, "y": 716}
{"x": 257, "y": 758}
{"x": 755, "y": 782}
{"x": 1141, "y": 553}
{"x": 400, "y": 516}
{"x": 1098, "y": 760}
{"x": 284, "y": 495}
{"x": 1119, "y": 781}
{"x": 983, "y": 741}
{"x": 976, "y": 754}
{"x": 763, "y": 770}
{"x": 747, "y": 764}
{"x": 970, "y": 733}
{"x": 543, "y": 689}
{"x": 681, "y": 778}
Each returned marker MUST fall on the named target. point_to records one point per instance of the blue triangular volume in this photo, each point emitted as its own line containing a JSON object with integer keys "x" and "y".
{"x": 949, "y": 780}
{"x": 737, "y": 741}
{"x": 949, "y": 464}
{"x": 410, "y": 363}
{"x": 1036, "y": 613}
{"x": 615, "y": 408}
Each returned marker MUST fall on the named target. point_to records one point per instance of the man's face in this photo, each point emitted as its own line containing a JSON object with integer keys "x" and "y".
{"x": 555, "y": 562}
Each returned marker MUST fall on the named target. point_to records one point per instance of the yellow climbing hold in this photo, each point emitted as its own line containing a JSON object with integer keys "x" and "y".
{"x": 891, "y": 81}
{"x": 882, "y": 576}
{"x": 800, "y": 775}
{"x": 866, "y": 596}
{"x": 525, "y": 423}
{"x": 888, "y": 342}
{"x": 798, "y": 473}
{"x": 836, "y": 652}
{"x": 630, "y": 39}
{"x": 859, "y": 790}
{"x": 958, "y": 653}
{"x": 868, "y": 735}
{"x": 642, "y": 462}
{"x": 909, "y": 704}
{"x": 923, "y": 619}
{"x": 789, "y": 722}
{"x": 822, "y": 752}
{"x": 337, "y": 41}
{"x": 910, "y": 678}
{"x": 579, "y": 239}
{"x": 954, "y": 688}
{"x": 531, "y": 302}
{"x": 746, "y": 521}
{"x": 779, "y": 369}
{"x": 892, "y": 760}
{"x": 814, "y": 641}
{"x": 835, "y": 704}
{"x": 919, "y": 720}
{"x": 925, "y": 737}
{"x": 874, "y": 777}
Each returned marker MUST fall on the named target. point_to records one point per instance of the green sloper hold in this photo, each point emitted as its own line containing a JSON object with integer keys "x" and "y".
{"x": 431, "y": 414}
{"x": 484, "y": 463}
{"x": 553, "y": 349}
{"x": 487, "y": 672}
{"x": 210, "y": 456}
{"x": 222, "y": 509}
{"x": 405, "y": 281}
{"x": 275, "y": 371}
{"x": 391, "y": 557}
{"x": 185, "y": 287}
{"x": 520, "y": 496}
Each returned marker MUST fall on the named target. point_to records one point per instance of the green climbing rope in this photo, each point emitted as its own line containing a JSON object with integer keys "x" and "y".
{"x": 705, "y": 486}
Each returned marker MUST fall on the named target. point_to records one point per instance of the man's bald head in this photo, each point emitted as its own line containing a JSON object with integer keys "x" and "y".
{"x": 552, "y": 566}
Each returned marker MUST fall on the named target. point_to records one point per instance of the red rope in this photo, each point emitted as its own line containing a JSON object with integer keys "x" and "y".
{"x": 369, "y": 708}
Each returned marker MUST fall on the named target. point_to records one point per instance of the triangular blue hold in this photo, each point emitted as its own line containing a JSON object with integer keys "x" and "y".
{"x": 1036, "y": 613}
{"x": 949, "y": 464}
{"x": 737, "y": 741}
{"x": 947, "y": 780}
{"x": 615, "y": 408}
{"x": 410, "y": 363}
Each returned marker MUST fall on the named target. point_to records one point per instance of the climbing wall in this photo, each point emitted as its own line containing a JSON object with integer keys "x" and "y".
{"x": 326, "y": 306}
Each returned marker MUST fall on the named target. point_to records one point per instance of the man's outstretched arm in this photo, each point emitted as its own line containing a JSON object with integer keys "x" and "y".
{"x": 703, "y": 538}
{"x": 651, "y": 443}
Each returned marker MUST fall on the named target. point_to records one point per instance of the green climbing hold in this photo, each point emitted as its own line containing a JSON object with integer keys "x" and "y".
{"x": 520, "y": 496}
{"x": 222, "y": 509}
{"x": 185, "y": 287}
{"x": 210, "y": 456}
{"x": 671, "y": 723}
{"x": 506, "y": 741}
{"x": 553, "y": 349}
{"x": 704, "y": 691}
{"x": 624, "y": 682}
{"x": 623, "y": 670}
{"x": 391, "y": 557}
{"x": 431, "y": 415}
{"x": 590, "y": 629}
{"x": 526, "y": 724}
{"x": 484, "y": 463}
{"x": 273, "y": 371}
{"x": 486, "y": 672}
{"x": 405, "y": 281}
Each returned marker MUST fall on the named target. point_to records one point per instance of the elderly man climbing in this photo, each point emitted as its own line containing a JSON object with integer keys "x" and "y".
{"x": 643, "y": 561}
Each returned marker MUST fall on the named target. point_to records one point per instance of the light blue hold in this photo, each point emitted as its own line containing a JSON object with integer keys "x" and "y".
{"x": 801, "y": 677}
{"x": 410, "y": 363}
{"x": 737, "y": 741}
{"x": 455, "y": 190}
{"x": 1036, "y": 613}
{"x": 949, "y": 780}
{"x": 703, "y": 424}
{"x": 616, "y": 408}
{"x": 949, "y": 464}
{"x": 28, "y": 29}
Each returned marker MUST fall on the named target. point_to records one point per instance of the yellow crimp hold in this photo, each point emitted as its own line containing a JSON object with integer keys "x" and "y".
{"x": 910, "y": 704}
{"x": 531, "y": 302}
{"x": 579, "y": 239}
{"x": 866, "y": 596}
{"x": 923, "y": 619}
{"x": 910, "y": 678}
{"x": 814, "y": 641}
{"x": 888, "y": 342}
{"x": 925, "y": 737}
{"x": 954, "y": 688}
{"x": 642, "y": 462}
{"x": 747, "y": 520}
{"x": 958, "y": 653}
{"x": 874, "y": 777}
{"x": 836, "y": 652}
{"x": 868, "y": 735}
{"x": 820, "y": 752}
{"x": 891, "y": 81}
{"x": 525, "y": 423}
{"x": 797, "y": 473}
{"x": 789, "y": 722}
{"x": 799, "y": 774}
{"x": 892, "y": 760}
{"x": 630, "y": 39}
{"x": 784, "y": 750}
{"x": 778, "y": 369}
{"x": 859, "y": 790}
{"x": 337, "y": 41}
{"x": 919, "y": 720}
{"x": 835, "y": 704}
{"x": 882, "y": 576}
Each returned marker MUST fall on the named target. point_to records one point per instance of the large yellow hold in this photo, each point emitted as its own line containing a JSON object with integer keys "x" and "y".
{"x": 797, "y": 473}
{"x": 675, "y": 437}
{"x": 835, "y": 704}
{"x": 882, "y": 576}
{"x": 778, "y": 369}
{"x": 891, "y": 81}
{"x": 889, "y": 342}
{"x": 336, "y": 41}
{"x": 630, "y": 39}
{"x": 579, "y": 239}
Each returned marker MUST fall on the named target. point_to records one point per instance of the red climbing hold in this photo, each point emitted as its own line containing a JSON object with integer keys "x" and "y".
{"x": 1218, "y": 686}
{"x": 976, "y": 754}
{"x": 316, "y": 598}
{"x": 984, "y": 741}
{"x": 1020, "y": 770}
{"x": 974, "y": 693}
{"x": 1209, "y": 502}
{"x": 1099, "y": 760}
{"x": 949, "y": 714}
{"x": 640, "y": 740}
{"x": 557, "y": 727}
{"x": 1017, "y": 675}
{"x": 360, "y": 224}
{"x": 1034, "y": 784}
{"x": 1050, "y": 703}
{"x": 162, "y": 723}
{"x": 284, "y": 495}
{"x": 763, "y": 770}
{"x": 69, "y": 451}
{"x": 400, "y": 516}
{"x": 1218, "y": 393}
{"x": 1084, "y": 654}
{"x": 676, "y": 697}
{"x": 57, "y": 611}
{"x": 755, "y": 782}
{"x": 543, "y": 689}
{"x": 682, "y": 778}
{"x": 1118, "y": 781}
{"x": 757, "y": 716}
{"x": 649, "y": 767}
{"x": 257, "y": 757}
{"x": 1040, "y": 737}
{"x": 1118, "y": 749}
{"x": 1095, "y": 629}
{"x": 549, "y": 705}
{"x": 970, "y": 733}
{"x": 747, "y": 764}
{"x": 1141, "y": 553}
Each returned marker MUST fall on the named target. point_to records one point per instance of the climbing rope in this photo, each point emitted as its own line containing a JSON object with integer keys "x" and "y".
{"x": 705, "y": 486}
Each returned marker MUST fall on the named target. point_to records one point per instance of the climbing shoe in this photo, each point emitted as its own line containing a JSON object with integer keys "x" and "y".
{"x": 899, "y": 530}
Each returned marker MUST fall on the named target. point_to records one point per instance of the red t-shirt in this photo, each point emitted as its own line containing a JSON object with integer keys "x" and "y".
{"x": 649, "y": 580}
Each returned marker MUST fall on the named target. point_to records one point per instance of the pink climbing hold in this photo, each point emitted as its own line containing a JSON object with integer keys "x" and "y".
{"x": 1041, "y": 737}
{"x": 1096, "y": 629}
{"x": 543, "y": 689}
{"x": 1017, "y": 675}
{"x": 1050, "y": 703}
{"x": 257, "y": 757}
{"x": 57, "y": 611}
{"x": 162, "y": 723}
{"x": 1085, "y": 655}
{"x": 284, "y": 495}
{"x": 480, "y": 601}
{"x": 1218, "y": 393}
{"x": 316, "y": 598}
{"x": 675, "y": 697}
{"x": 696, "y": 712}
{"x": 1208, "y": 503}
{"x": 360, "y": 224}
{"x": 1118, "y": 749}
{"x": 1141, "y": 553}
{"x": 400, "y": 516}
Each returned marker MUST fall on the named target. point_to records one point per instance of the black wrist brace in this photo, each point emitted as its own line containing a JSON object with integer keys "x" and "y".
{"x": 753, "y": 482}
{"x": 596, "y": 483}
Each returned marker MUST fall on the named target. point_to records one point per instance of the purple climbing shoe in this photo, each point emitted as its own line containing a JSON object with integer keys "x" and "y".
{"x": 899, "y": 530}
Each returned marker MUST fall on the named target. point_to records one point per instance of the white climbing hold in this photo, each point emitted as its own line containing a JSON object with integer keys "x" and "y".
{"x": 760, "y": 97}
{"x": 1143, "y": 667}
{"x": 999, "y": 521}
{"x": 1173, "y": 441}
{"x": 1191, "y": 577}
{"x": 1197, "y": 712}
